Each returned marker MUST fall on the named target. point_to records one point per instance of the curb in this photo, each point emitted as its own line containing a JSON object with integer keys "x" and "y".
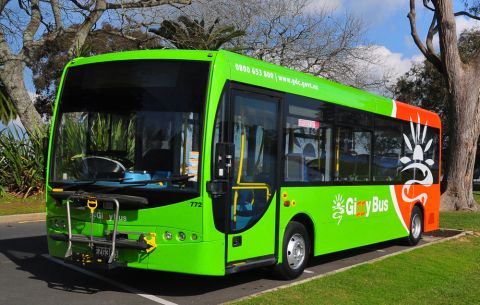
{"x": 21, "y": 218}
{"x": 461, "y": 234}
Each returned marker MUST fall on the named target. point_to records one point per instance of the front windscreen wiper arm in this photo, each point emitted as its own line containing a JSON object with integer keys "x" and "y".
{"x": 169, "y": 179}
{"x": 67, "y": 185}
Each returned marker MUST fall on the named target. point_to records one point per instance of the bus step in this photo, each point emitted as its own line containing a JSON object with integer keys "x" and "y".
{"x": 265, "y": 261}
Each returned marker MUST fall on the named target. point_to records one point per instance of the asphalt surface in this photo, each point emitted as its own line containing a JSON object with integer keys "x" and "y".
{"x": 30, "y": 276}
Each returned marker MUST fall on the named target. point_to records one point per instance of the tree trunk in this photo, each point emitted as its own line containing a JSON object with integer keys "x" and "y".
{"x": 464, "y": 119}
{"x": 12, "y": 77}
{"x": 463, "y": 86}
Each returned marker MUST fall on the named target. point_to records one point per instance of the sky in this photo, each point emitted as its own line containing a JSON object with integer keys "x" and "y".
{"x": 388, "y": 28}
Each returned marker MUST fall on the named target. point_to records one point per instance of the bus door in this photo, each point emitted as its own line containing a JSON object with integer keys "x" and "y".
{"x": 251, "y": 210}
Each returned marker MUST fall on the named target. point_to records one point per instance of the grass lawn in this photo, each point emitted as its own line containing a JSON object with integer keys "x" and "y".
{"x": 13, "y": 205}
{"x": 438, "y": 274}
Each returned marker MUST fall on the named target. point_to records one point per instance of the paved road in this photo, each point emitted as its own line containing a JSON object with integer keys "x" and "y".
{"x": 29, "y": 276}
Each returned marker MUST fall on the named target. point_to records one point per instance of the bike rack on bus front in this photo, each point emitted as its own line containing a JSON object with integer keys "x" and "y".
{"x": 86, "y": 200}
{"x": 91, "y": 240}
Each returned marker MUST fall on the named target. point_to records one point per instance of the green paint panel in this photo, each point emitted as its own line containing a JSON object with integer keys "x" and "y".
{"x": 255, "y": 72}
{"x": 379, "y": 222}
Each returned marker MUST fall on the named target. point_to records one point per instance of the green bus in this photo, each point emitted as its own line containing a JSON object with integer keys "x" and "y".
{"x": 211, "y": 163}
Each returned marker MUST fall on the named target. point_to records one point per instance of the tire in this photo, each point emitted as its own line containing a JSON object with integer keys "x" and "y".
{"x": 416, "y": 227}
{"x": 295, "y": 252}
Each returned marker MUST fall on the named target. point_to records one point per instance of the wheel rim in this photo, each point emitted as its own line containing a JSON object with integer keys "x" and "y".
{"x": 416, "y": 226}
{"x": 296, "y": 251}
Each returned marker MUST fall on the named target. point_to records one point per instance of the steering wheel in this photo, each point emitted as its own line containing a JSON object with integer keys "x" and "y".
{"x": 101, "y": 167}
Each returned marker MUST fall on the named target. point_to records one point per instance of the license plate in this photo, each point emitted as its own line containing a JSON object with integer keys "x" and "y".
{"x": 104, "y": 252}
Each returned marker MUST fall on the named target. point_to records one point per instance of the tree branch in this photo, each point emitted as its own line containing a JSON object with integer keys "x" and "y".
{"x": 463, "y": 13}
{"x": 429, "y": 55}
{"x": 90, "y": 21}
{"x": 144, "y": 3}
{"x": 35, "y": 20}
{"x": 425, "y": 4}
{"x": 3, "y": 3}
{"x": 85, "y": 7}
{"x": 5, "y": 53}
{"x": 57, "y": 15}
{"x": 432, "y": 30}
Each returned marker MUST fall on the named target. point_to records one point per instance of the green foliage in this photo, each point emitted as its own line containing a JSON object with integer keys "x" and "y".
{"x": 7, "y": 110}
{"x": 186, "y": 33}
{"x": 21, "y": 161}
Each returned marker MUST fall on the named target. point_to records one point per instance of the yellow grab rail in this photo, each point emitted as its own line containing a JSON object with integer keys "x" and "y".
{"x": 246, "y": 185}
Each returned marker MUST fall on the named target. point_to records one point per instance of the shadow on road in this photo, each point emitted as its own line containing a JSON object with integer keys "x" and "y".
{"x": 27, "y": 253}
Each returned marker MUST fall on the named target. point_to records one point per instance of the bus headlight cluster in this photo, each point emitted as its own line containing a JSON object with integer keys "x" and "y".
{"x": 180, "y": 236}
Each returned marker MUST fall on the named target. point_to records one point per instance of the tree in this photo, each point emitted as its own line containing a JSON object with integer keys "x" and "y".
{"x": 291, "y": 34}
{"x": 46, "y": 22}
{"x": 187, "y": 33}
{"x": 462, "y": 79}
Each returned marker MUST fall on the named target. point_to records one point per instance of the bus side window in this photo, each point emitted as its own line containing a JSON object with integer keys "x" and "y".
{"x": 387, "y": 150}
{"x": 308, "y": 140}
{"x": 353, "y": 154}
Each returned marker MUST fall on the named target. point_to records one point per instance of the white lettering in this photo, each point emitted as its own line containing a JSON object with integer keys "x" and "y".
{"x": 350, "y": 206}
{"x": 375, "y": 204}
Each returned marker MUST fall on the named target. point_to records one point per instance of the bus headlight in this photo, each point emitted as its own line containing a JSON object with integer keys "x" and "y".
{"x": 168, "y": 235}
{"x": 181, "y": 236}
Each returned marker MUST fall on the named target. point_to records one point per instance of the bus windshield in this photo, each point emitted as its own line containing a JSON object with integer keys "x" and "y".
{"x": 131, "y": 123}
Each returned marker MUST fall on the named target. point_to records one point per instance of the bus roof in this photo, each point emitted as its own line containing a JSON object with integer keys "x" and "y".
{"x": 251, "y": 71}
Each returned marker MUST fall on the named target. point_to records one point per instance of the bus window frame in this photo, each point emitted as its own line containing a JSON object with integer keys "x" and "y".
{"x": 156, "y": 197}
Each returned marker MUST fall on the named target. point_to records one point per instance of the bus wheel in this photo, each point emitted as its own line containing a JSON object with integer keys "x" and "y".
{"x": 296, "y": 249}
{"x": 416, "y": 226}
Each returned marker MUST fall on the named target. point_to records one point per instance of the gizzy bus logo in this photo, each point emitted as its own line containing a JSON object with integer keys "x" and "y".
{"x": 417, "y": 163}
{"x": 358, "y": 208}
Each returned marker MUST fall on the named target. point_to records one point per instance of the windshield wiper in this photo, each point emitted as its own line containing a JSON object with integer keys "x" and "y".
{"x": 178, "y": 178}
{"x": 67, "y": 185}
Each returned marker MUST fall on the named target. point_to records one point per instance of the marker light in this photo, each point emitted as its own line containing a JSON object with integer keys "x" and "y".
{"x": 194, "y": 236}
{"x": 181, "y": 236}
{"x": 168, "y": 235}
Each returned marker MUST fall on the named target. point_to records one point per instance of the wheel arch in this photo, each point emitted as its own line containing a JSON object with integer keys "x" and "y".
{"x": 309, "y": 225}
